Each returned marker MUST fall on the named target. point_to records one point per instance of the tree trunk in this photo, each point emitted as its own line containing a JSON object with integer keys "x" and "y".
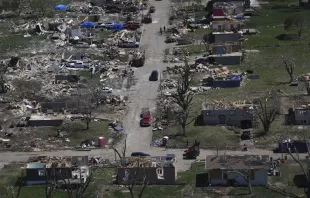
{"x": 299, "y": 33}
{"x": 249, "y": 182}
{"x": 291, "y": 77}
{"x": 183, "y": 129}
{"x": 266, "y": 128}
{"x": 87, "y": 124}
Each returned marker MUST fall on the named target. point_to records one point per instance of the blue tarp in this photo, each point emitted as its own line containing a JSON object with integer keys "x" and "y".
{"x": 61, "y": 7}
{"x": 87, "y": 25}
{"x": 117, "y": 26}
{"x": 118, "y": 128}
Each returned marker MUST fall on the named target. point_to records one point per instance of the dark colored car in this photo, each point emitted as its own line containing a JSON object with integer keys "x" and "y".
{"x": 170, "y": 40}
{"x": 131, "y": 26}
{"x": 138, "y": 154}
{"x": 154, "y": 76}
{"x": 152, "y": 9}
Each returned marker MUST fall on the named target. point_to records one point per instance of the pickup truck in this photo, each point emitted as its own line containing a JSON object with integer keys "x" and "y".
{"x": 145, "y": 117}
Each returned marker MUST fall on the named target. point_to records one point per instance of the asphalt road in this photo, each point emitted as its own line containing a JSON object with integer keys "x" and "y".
{"x": 144, "y": 93}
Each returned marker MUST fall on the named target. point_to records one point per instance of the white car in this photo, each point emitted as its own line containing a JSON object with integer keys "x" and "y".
{"x": 107, "y": 90}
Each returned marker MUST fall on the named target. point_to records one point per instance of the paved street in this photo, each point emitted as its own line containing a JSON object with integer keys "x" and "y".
{"x": 144, "y": 93}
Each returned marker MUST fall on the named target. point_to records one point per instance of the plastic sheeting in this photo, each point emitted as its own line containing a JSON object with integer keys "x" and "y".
{"x": 61, "y": 7}
{"x": 117, "y": 26}
{"x": 87, "y": 25}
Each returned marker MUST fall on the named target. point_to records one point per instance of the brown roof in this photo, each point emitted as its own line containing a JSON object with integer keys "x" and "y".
{"x": 237, "y": 162}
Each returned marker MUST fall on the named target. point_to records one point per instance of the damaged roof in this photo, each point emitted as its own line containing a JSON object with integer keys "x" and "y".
{"x": 237, "y": 162}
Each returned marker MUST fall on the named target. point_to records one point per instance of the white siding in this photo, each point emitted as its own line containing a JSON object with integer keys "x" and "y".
{"x": 261, "y": 178}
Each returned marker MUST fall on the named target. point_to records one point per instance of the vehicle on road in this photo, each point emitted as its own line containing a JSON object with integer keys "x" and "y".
{"x": 145, "y": 117}
{"x": 139, "y": 154}
{"x": 192, "y": 152}
{"x": 152, "y": 9}
{"x": 154, "y": 76}
{"x": 107, "y": 90}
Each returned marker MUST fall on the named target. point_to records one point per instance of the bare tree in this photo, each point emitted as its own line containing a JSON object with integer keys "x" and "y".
{"x": 267, "y": 109}
{"x": 307, "y": 86}
{"x": 132, "y": 181}
{"x": 25, "y": 89}
{"x": 183, "y": 97}
{"x": 296, "y": 22}
{"x": 3, "y": 80}
{"x": 87, "y": 103}
{"x": 289, "y": 65}
{"x": 246, "y": 176}
{"x": 121, "y": 154}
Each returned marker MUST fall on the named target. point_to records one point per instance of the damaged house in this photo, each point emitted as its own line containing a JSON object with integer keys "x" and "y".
{"x": 47, "y": 114}
{"x": 231, "y": 25}
{"x": 239, "y": 114}
{"x": 156, "y": 170}
{"x": 221, "y": 170}
{"x": 73, "y": 170}
{"x": 298, "y": 115}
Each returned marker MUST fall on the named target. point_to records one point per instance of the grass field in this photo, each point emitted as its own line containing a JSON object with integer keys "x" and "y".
{"x": 10, "y": 174}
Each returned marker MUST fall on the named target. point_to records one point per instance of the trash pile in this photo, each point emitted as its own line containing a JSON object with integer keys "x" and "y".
{"x": 168, "y": 84}
{"x": 98, "y": 161}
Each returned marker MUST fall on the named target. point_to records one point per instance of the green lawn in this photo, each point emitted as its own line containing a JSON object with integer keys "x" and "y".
{"x": 75, "y": 131}
{"x": 10, "y": 174}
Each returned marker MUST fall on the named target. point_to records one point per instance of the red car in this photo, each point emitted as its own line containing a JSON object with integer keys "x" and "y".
{"x": 146, "y": 117}
{"x": 131, "y": 26}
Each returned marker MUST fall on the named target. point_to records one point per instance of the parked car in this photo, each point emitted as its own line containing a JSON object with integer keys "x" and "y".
{"x": 131, "y": 25}
{"x": 107, "y": 90}
{"x": 154, "y": 76}
{"x": 146, "y": 117}
{"x": 145, "y": 122}
{"x": 152, "y": 9}
{"x": 131, "y": 44}
{"x": 139, "y": 154}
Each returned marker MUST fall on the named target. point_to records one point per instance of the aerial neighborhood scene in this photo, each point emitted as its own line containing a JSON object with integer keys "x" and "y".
{"x": 154, "y": 98}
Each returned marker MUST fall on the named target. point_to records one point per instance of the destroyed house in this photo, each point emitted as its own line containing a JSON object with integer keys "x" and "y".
{"x": 221, "y": 170}
{"x": 60, "y": 169}
{"x": 223, "y": 82}
{"x": 223, "y": 37}
{"x": 47, "y": 114}
{"x": 53, "y": 107}
{"x": 235, "y": 8}
{"x": 233, "y": 58}
{"x": 239, "y": 114}
{"x": 221, "y": 26}
{"x": 226, "y": 48}
{"x": 156, "y": 170}
{"x": 69, "y": 78}
{"x": 298, "y": 115}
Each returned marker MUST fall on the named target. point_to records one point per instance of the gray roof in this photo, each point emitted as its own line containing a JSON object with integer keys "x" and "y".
{"x": 237, "y": 162}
